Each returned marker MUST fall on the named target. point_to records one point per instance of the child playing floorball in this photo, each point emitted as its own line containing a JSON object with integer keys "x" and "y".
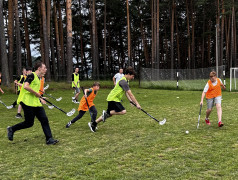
{"x": 212, "y": 91}
{"x": 86, "y": 103}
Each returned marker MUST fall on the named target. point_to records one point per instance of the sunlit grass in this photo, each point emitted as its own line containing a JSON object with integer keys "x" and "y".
{"x": 132, "y": 146}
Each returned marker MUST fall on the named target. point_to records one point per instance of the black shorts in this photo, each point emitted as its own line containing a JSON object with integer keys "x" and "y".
{"x": 116, "y": 106}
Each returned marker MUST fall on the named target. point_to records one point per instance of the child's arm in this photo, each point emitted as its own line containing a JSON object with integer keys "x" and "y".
{"x": 1, "y": 91}
{"x": 203, "y": 95}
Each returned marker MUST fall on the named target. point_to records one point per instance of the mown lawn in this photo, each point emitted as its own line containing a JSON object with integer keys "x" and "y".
{"x": 132, "y": 146}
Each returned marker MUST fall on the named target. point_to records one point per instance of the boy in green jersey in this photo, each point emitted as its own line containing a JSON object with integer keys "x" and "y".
{"x": 76, "y": 85}
{"x": 29, "y": 99}
{"x": 114, "y": 99}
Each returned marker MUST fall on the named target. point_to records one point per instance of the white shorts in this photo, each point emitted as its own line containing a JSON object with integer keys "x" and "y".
{"x": 211, "y": 102}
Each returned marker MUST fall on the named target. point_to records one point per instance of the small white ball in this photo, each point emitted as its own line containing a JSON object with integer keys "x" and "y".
{"x": 177, "y": 97}
{"x": 186, "y": 132}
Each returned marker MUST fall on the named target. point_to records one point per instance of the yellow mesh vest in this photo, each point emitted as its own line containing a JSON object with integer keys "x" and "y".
{"x": 28, "y": 98}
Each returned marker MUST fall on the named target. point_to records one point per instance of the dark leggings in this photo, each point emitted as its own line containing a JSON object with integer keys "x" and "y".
{"x": 30, "y": 113}
{"x": 93, "y": 113}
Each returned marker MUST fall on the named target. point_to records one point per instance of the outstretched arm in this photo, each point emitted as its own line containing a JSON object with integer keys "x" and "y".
{"x": 203, "y": 95}
{"x": 132, "y": 98}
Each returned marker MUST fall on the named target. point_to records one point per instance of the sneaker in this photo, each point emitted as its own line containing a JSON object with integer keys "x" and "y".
{"x": 75, "y": 101}
{"x": 51, "y": 141}
{"x": 92, "y": 127}
{"x": 104, "y": 116}
{"x": 18, "y": 115}
{"x": 207, "y": 121}
{"x": 69, "y": 124}
{"x": 10, "y": 133}
{"x": 220, "y": 124}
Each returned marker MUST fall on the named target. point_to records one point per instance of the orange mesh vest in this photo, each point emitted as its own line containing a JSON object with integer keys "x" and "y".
{"x": 83, "y": 104}
{"x": 42, "y": 81}
{"x": 213, "y": 91}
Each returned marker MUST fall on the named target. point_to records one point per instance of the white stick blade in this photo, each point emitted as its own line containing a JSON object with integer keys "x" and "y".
{"x": 71, "y": 112}
{"x": 46, "y": 87}
{"x": 162, "y": 122}
{"x": 50, "y": 107}
{"x": 10, "y": 107}
{"x": 59, "y": 99}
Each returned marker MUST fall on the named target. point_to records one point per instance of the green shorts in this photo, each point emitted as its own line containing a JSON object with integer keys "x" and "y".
{"x": 211, "y": 102}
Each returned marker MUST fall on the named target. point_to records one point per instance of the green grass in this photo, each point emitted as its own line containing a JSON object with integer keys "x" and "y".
{"x": 132, "y": 146}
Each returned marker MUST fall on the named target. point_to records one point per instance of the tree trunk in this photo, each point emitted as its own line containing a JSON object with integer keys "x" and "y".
{"x": 27, "y": 39}
{"x": 128, "y": 33}
{"x": 203, "y": 38}
{"x": 172, "y": 39}
{"x": 46, "y": 40}
{"x": 218, "y": 36}
{"x": 10, "y": 38}
{"x": 228, "y": 32}
{"x": 188, "y": 34}
{"x": 69, "y": 41}
{"x": 52, "y": 49}
{"x": 94, "y": 42}
{"x": 209, "y": 43}
{"x": 83, "y": 59}
{"x": 41, "y": 32}
{"x": 3, "y": 52}
{"x": 153, "y": 33}
{"x": 232, "y": 37}
{"x": 157, "y": 35}
{"x": 18, "y": 40}
{"x": 193, "y": 35}
{"x": 222, "y": 33}
{"x": 61, "y": 38}
{"x": 105, "y": 38}
{"x": 178, "y": 41}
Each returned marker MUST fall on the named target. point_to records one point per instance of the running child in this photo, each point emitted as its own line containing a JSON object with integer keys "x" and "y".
{"x": 114, "y": 99}
{"x": 90, "y": 94}
{"x": 213, "y": 94}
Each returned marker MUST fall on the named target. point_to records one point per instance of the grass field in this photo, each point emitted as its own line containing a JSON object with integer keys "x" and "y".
{"x": 132, "y": 146}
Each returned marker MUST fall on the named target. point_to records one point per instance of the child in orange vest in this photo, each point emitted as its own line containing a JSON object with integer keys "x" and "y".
{"x": 90, "y": 94}
{"x": 212, "y": 91}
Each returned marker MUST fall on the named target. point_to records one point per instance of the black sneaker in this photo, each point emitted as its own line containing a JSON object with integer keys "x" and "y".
{"x": 51, "y": 141}
{"x": 69, "y": 124}
{"x": 10, "y": 133}
{"x": 92, "y": 127}
{"x": 104, "y": 116}
{"x": 18, "y": 115}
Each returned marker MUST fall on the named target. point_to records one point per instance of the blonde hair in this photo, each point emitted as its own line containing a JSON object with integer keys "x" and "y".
{"x": 213, "y": 73}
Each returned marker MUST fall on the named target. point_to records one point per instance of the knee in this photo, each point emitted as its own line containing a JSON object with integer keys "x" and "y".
{"x": 209, "y": 110}
{"x": 28, "y": 125}
{"x": 123, "y": 112}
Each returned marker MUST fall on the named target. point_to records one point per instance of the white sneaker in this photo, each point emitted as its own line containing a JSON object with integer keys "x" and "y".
{"x": 104, "y": 116}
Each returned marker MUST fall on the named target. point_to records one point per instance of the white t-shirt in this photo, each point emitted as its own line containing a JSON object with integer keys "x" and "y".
{"x": 214, "y": 84}
{"x": 118, "y": 76}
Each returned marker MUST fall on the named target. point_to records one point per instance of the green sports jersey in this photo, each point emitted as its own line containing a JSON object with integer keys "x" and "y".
{"x": 28, "y": 98}
{"x": 76, "y": 79}
{"x": 117, "y": 92}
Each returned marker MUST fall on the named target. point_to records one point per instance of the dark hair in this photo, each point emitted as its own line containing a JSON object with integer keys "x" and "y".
{"x": 38, "y": 64}
{"x": 28, "y": 68}
{"x": 130, "y": 71}
{"x": 96, "y": 84}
